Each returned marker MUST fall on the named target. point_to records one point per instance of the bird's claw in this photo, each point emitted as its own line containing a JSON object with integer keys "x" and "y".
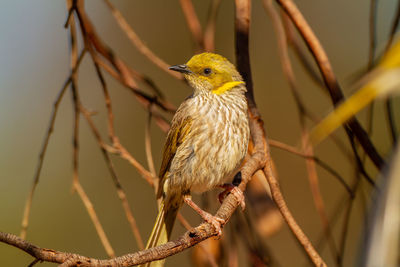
{"x": 234, "y": 190}
{"x": 215, "y": 221}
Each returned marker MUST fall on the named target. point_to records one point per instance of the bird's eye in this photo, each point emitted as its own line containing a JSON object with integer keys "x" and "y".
{"x": 207, "y": 71}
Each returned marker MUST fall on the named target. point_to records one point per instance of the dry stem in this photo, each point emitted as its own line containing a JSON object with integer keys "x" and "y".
{"x": 134, "y": 38}
{"x": 329, "y": 78}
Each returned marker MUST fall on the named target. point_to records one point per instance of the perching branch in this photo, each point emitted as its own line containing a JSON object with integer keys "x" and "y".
{"x": 188, "y": 239}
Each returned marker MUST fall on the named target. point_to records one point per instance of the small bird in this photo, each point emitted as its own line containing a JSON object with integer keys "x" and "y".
{"x": 206, "y": 143}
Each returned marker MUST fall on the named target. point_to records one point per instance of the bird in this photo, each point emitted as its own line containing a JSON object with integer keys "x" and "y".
{"x": 206, "y": 144}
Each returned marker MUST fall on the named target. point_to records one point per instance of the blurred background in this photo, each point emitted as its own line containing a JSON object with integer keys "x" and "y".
{"x": 35, "y": 63}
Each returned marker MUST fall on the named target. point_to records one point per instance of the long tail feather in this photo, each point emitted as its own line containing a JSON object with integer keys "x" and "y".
{"x": 162, "y": 228}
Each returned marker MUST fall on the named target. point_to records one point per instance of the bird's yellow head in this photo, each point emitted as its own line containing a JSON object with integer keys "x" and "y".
{"x": 210, "y": 72}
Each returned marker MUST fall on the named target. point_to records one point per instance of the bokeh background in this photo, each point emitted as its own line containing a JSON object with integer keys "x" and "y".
{"x": 34, "y": 62}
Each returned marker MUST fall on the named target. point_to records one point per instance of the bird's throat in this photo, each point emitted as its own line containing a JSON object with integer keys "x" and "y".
{"x": 225, "y": 87}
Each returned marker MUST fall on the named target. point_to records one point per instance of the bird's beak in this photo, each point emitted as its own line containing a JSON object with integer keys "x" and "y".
{"x": 181, "y": 68}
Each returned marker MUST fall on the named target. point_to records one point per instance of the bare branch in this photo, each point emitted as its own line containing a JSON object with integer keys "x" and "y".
{"x": 134, "y": 38}
{"x": 147, "y": 142}
{"x": 393, "y": 29}
{"x": 242, "y": 25}
{"x": 193, "y": 23}
{"x": 306, "y": 146}
{"x": 187, "y": 240}
{"x": 329, "y": 78}
{"x": 75, "y": 157}
{"x": 114, "y": 139}
{"x": 123, "y": 73}
{"x": 95, "y": 219}
{"x": 209, "y": 32}
{"x": 372, "y": 33}
{"x": 28, "y": 204}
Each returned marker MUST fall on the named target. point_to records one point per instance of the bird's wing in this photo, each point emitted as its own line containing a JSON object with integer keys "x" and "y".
{"x": 180, "y": 129}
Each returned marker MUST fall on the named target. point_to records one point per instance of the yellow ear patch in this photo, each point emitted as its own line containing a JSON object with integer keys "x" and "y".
{"x": 225, "y": 87}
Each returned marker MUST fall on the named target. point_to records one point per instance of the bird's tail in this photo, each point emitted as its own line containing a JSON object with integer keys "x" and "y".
{"x": 162, "y": 228}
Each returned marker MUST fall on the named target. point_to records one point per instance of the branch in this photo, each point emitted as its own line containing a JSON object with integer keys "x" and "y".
{"x": 306, "y": 146}
{"x": 395, "y": 24}
{"x": 50, "y": 129}
{"x": 134, "y": 38}
{"x": 329, "y": 78}
{"x": 193, "y": 23}
{"x": 188, "y": 239}
{"x": 209, "y": 31}
{"x": 242, "y": 26}
{"x": 259, "y": 160}
{"x": 123, "y": 73}
{"x": 372, "y": 33}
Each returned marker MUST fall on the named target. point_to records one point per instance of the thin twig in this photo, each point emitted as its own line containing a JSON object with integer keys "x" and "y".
{"x": 388, "y": 102}
{"x": 294, "y": 227}
{"x": 147, "y": 143}
{"x": 134, "y": 38}
{"x": 371, "y": 58}
{"x": 117, "y": 183}
{"x": 209, "y": 31}
{"x": 50, "y": 129}
{"x": 93, "y": 216}
{"x": 257, "y": 252}
{"x": 395, "y": 24}
{"x": 372, "y": 33}
{"x": 75, "y": 95}
{"x": 346, "y": 220}
{"x": 121, "y": 192}
{"x": 75, "y": 157}
{"x": 123, "y": 73}
{"x": 321, "y": 163}
{"x": 293, "y": 40}
{"x": 242, "y": 26}
{"x": 306, "y": 146}
{"x": 317, "y": 197}
{"x": 33, "y": 263}
{"x": 143, "y": 98}
{"x": 119, "y": 149}
{"x": 193, "y": 23}
{"x": 329, "y": 78}
{"x": 391, "y": 120}
{"x": 123, "y": 153}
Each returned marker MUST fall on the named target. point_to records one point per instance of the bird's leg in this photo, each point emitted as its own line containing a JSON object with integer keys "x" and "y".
{"x": 213, "y": 220}
{"x": 234, "y": 190}
{"x": 237, "y": 179}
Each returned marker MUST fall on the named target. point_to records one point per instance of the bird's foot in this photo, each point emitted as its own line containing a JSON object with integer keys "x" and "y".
{"x": 215, "y": 221}
{"x": 234, "y": 190}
